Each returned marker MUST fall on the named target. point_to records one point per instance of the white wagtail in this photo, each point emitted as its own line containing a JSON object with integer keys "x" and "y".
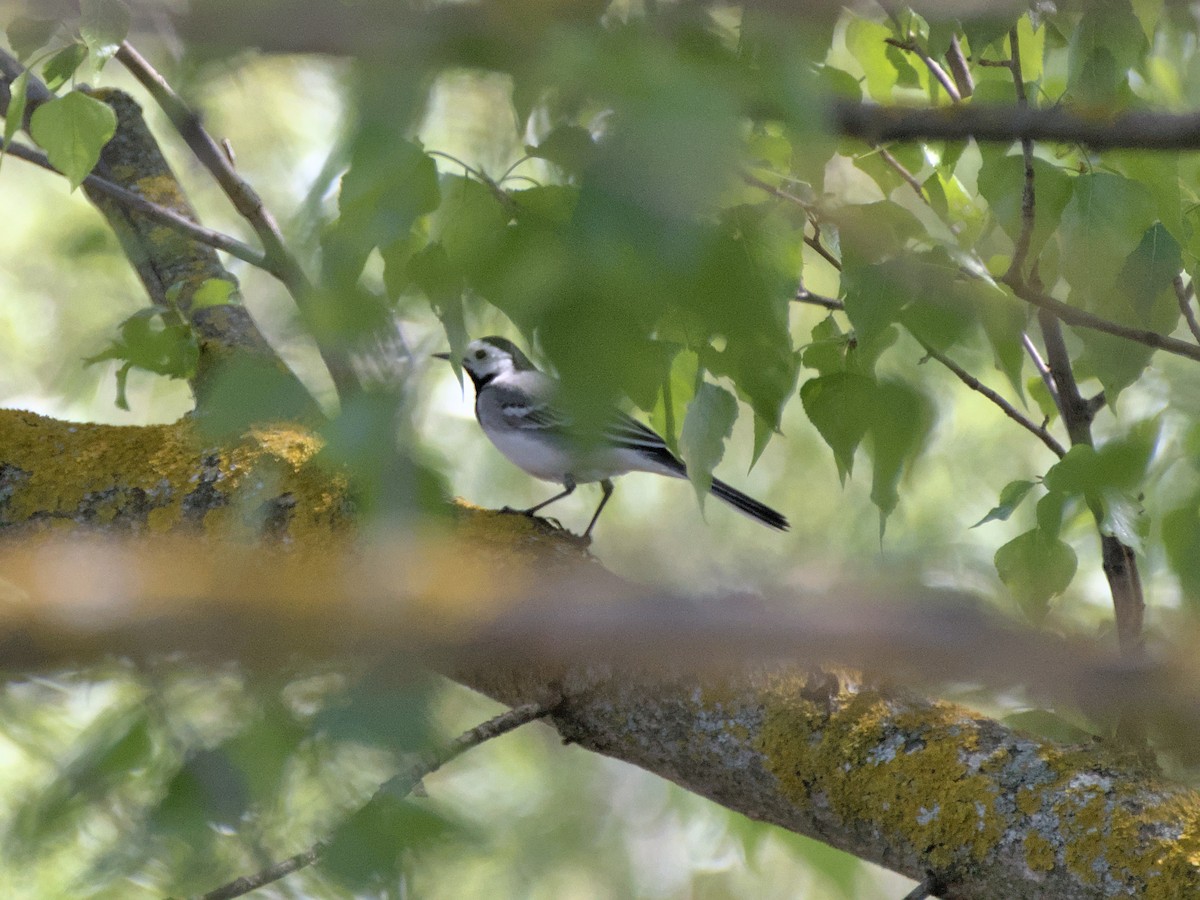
{"x": 515, "y": 405}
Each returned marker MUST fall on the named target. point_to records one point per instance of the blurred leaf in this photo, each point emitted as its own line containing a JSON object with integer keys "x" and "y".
{"x": 900, "y": 426}
{"x": 569, "y": 147}
{"x": 1004, "y": 319}
{"x": 1002, "y": 181}
{"x": 442, "y": 283}
{"x": 470, "y": 224}
{"x": 1048, "y": 724}
{"x": 1050, "y": 512}
{"x": 15, "y": 118}
{"x": 1010, "y": 498}
{"x": 73, "y": 129}
{"x": 246, "y": 391}
{"x": 1106, "y": 45}
{"x": 60, "y": 68}
{"x": 1036, "y": 567}
{"x": 380, "y": 709}
{"x": 708, "y": 424}
{"x": 29, "y": 34}
{"x": 865, "y": 41}
{"x": 389, "y": 185}
{"x": 104, "y": 25}
{"x": 392, "y": 478}
{"x": 1102, "y": 224}
{"x": 1181, "y": 538}
{"x": 1119, "y": 463}
{"x": 110, "y": 752}
{"x": 365, "y": 852}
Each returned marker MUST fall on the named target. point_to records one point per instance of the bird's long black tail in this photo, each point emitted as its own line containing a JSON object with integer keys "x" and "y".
{"x": 748, "y": 505}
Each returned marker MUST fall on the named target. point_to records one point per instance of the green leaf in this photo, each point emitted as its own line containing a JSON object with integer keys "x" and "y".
{"x": 442, "y": 283}
{"x": 1036, "y": 567}
{"x": 1001, "y": 182}
{"x": 28, "y": 34}
{"x": 865, "y": 40}
{"x": 104, "y": 25}
{"x": 151, "y": 340}
{"x": 214, "y": 292}
{"x": 1050, "y": 512}
{"x": 59, "y": 69}
{"x": 1102, "y": 224}
{"x": 16, "y": 109}
{"x": 1004, "y": 319}
{"x": 570, "y": 147}
{"x": 1010, "y": 498}
{"x": 73, "y": 130}
{"x": 708, "y": 424}
{"x": 366, "y": 851}
{"x": 1181, "y": 538}
{"x": 1119, "y": 464}
{"x": 1107, "y": 44}
{"x": 840, "y": 406}
{"x": 389, "y": 185}
{"x": 900, "y": 425}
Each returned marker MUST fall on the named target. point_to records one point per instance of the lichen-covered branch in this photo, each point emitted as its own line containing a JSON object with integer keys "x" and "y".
{"x": 927, "y": 789}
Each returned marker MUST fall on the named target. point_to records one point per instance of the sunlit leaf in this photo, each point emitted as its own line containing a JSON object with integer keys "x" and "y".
{"x": 73, "y": 129}
{"x": 708, "y": 424}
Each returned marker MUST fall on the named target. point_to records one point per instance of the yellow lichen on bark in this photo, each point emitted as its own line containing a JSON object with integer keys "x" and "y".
{"x": 159, "y": 478}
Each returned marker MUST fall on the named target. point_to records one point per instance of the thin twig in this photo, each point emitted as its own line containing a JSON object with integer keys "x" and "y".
{"x": 1028, "y": 203}
{"x": 280, "y": 261}
{"x": 903, "y": 172}
{"x": 1185, "y": 294}
{"x": 815, "y": 240}
{"x": 932, "y": 64}
{"x": 1083, "y": 319}
{"x": 804, "y": 295}
{"x": 241, "y": 886}
{"x": 921, "y": 891}
{"x": 960, "y": 68}
{"x": 1038, "y": 431}
{"x": 1040, "y": 364}
{"x": 161, "y": 214}
{"x": 399, "y": 785}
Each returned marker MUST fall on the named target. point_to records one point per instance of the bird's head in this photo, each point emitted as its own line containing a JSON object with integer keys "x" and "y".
{"x": 488, "y": 358}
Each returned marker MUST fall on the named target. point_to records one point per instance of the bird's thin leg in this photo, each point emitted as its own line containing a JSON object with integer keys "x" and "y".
{"x": 607, "y": 487}
{"x": 568, "y": 484}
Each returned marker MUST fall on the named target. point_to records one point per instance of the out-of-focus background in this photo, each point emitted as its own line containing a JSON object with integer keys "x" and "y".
{"x": 232, "y": 775}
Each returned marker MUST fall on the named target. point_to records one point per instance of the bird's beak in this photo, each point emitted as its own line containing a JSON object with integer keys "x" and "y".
{"x": 442, "y": 356}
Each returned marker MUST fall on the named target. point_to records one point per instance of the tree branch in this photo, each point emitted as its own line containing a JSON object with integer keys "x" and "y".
{"x": 197, "y": 232}
{"x": 1038, "y": 431}
{"x": 399, "y": 786}
{"x": 1083, "y": 319}
{"x": 1185, "y": 294}
{"x": 1136, "y": 130}
{"x": 280, "y": 261}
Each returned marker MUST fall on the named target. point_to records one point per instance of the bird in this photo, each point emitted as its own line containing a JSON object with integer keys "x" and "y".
{"x": 518, "y": 407}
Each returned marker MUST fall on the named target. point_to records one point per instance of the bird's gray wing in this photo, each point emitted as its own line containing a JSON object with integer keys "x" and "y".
{"x": 538, "y": 411}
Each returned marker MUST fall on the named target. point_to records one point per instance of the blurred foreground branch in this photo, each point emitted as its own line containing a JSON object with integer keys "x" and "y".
{"x": 740, "y": 700}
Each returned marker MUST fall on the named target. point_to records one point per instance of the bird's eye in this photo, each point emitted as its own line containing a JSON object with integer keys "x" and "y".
{"x": 480, "y": 354}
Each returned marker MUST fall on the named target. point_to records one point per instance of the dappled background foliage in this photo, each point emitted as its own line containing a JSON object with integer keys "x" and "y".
{"x": 650, "y": 197}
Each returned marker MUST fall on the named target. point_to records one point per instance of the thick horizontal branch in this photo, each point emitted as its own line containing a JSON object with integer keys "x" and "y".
{"x": 998, "y": 123}
{"x": 705, "y": 693}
